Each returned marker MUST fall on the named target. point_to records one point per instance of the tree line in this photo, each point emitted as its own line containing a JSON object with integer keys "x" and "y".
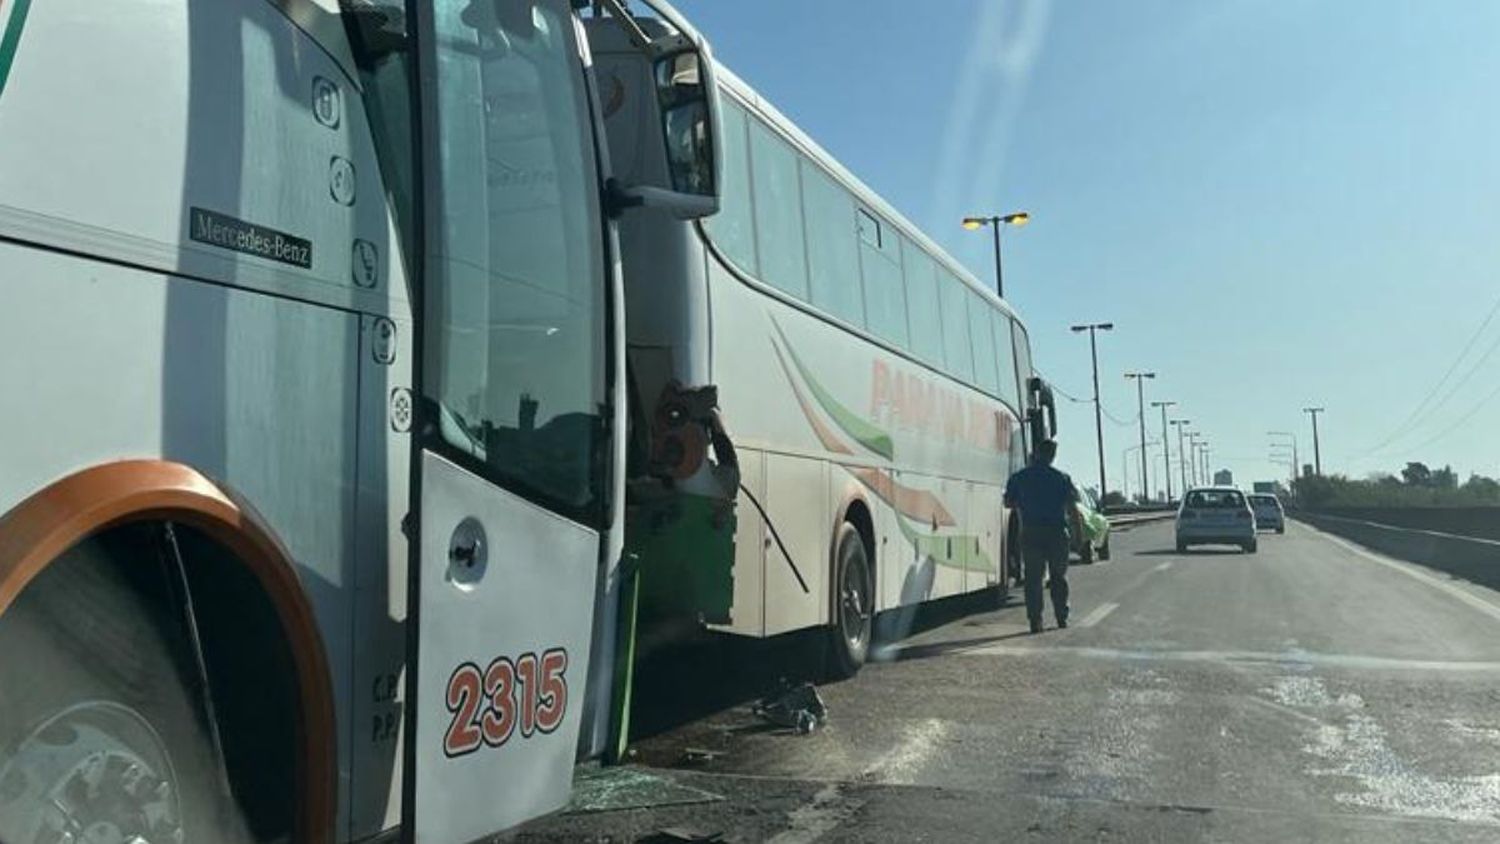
{"x": 1417, "y": 485}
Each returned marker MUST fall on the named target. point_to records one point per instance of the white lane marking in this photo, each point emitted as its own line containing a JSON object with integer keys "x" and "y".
{"x": 1284, "y": 658}
{"x": 1467, "y": 597}
{"x": 1098, "y": 614}
{"x": 1163, "y": 566}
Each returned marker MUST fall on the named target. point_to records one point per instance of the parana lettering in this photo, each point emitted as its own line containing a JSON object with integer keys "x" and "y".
{"x": 227, "y": 232}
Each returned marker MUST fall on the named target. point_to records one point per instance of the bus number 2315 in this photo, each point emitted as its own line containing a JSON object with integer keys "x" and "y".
{"x": 488, "y": 705}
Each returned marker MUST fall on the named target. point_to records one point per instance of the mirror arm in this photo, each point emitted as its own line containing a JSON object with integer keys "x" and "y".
{"x": 617, "y": 198}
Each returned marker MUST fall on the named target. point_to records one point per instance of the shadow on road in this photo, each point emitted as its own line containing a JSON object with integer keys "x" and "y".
{"x": 684, "y": 673}
{"x": 942, "y": 648}
{"x": 1191, "y": 552}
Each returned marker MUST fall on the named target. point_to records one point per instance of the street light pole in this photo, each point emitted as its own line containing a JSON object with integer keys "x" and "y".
{"x": 1091, "y": 328}
{"x": 1317, "y": 453}
{"x": 1016, "y": 218}
{"x": 1140, "y": 398}
{"x": 1182, "y": 461}
{"x": 1166, "y": 447}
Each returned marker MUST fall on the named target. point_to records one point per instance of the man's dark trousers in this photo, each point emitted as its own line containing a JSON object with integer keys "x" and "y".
{"x": 1044, "y": 548}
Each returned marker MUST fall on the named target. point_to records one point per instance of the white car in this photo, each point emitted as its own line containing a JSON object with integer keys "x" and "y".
{"x": 1268, "y": 512}
{"x": 1215, "y": 516}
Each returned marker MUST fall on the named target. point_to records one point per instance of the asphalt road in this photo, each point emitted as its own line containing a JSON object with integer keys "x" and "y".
{"x": 1312, "y": 691}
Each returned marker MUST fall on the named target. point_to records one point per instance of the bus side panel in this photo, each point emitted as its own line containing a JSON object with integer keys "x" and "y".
{"x": 917, "y": 565}
{"x": 984, "y": 520}
{"x": 119, "y": 119}
{"x": 747, "y": 615}
{"x": 254, "y": 391}
{"x": 954, "y": 540}
{"x": 380, "y": 579}
{"x": 892, "y": 553}
{"x": 797, "y": 502}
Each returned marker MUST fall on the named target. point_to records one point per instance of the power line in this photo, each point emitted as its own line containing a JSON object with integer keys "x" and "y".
{"x": 1072, "y": 398}
{"x": 1460, "y": 423}
{"x": 1421, "y": 406}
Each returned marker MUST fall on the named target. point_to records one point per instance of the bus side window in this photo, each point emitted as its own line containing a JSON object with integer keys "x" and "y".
{"x": 885, "y": 295}
{"x": 733, "y": 228}
{"x": 984, "y": 343}
{"x": 958, "y": 355}
{"x": 1010, "y": 386}
{"x": 923, "y": 313}
{"x": 778, "y": 211}
{"x": 832, "y": 253}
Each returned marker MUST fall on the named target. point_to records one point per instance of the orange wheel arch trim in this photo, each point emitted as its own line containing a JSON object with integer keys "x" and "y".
{"x": 41, "y": 528}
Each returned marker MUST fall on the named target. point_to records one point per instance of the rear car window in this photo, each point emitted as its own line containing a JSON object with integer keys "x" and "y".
{"x": 1212, "y": 499}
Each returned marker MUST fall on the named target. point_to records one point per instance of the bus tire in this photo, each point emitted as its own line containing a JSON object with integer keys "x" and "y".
{"x": 99, "y": 703}
{"x": 853, "y": 606}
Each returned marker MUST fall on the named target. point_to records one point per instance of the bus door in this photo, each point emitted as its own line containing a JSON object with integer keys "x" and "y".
{"x": 515, "y": 427}
{"x": 517, "y": 468}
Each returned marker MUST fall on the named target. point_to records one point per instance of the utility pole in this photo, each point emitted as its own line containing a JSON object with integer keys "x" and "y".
{"x": 1098, "y": 413}
{"x": 1182, "y": 461}
{"x": 1166, "y": 448}
{"x": 1317, "y": 453}
{"x": 1140, "y": 398}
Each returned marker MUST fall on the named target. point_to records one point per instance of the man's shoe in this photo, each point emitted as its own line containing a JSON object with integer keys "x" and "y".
{"x": 1036, "y": 627}
{"x": 1062, "y": 624}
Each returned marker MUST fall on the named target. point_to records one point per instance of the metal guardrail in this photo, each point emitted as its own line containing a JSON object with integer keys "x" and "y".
{"x": 1121, "y": 519}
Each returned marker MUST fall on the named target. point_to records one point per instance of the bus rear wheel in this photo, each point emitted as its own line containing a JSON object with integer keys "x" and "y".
{"x": 102, "y": 729}
{"x": 854, "y": 603}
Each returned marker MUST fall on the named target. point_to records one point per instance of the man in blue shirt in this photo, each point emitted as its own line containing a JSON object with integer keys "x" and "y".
{"x": 1046, "y": 499}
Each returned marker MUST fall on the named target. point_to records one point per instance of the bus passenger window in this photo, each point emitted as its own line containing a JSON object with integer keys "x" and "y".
{"x": 869, "y": 228}
{"x": 958, "y": 356}
{"x": 1010, "y": 388}
{"x": 924, "y": 315}
{"x": 732, "y": 229}
{"x": 778, "y": 211}
{"x": 984, "y": 343}
{"x": 832, "y": 252}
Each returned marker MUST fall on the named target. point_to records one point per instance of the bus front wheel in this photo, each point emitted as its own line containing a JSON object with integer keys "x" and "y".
{"x": 102, "y": 729}
{"x": 854, "y": 603}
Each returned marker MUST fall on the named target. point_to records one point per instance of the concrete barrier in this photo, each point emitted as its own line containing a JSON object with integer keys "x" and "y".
{"x": 1478, "y": 522}
{"x": 1468, "y": 557}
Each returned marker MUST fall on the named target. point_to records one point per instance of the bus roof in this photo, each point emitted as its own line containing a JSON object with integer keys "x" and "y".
{"x": 741, "y": 89}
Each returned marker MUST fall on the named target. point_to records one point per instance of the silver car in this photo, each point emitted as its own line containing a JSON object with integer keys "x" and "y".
{"x": 1268, "y": 512}
{"x": 1215, "y": 516}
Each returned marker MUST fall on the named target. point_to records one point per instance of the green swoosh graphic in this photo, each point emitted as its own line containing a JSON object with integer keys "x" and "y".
{"x": 963, "y": 553}
{"x": 12, "y": 39}
{"x": 871, "y": 437}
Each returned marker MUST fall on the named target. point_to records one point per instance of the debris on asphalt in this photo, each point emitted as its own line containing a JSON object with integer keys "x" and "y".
{"x": 699, "y": 754}
{"x": 799, "y": 707}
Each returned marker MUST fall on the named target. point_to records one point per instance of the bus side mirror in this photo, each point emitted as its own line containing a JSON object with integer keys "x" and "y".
{"x": 688, "y": 101}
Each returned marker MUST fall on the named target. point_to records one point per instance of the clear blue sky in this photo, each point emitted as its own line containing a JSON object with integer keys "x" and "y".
{"x": 1278, "y": 204}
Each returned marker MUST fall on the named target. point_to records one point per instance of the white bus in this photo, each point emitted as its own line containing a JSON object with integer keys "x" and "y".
{"x": 876, "y": 394}
{"x": 311, "y": 487}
